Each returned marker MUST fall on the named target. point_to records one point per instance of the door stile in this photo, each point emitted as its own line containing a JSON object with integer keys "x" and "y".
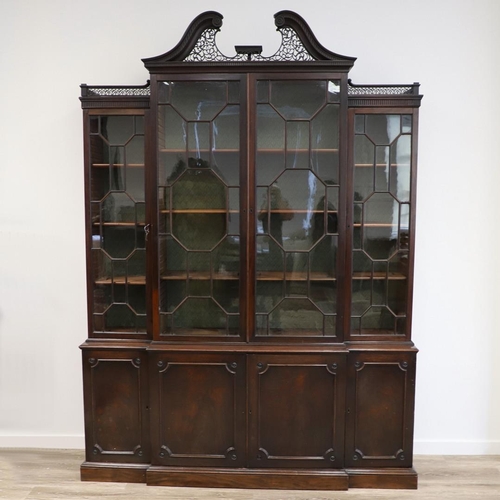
{"x": 249, "y": 216}
{"x": 343, "y": 305}
{"x": 348, "y": 204}
{"x": 413, "y": 213}
{"x": 152, "y": 269}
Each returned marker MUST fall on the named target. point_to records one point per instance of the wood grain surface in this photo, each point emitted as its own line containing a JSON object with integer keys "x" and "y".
{"x": 55, "y": 475}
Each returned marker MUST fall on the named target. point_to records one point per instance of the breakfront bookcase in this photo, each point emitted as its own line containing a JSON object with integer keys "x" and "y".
{"x": 250, "y": 243}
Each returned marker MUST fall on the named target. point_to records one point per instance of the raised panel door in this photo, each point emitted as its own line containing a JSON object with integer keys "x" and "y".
{"x": 116, "y": 406}
{"x": 296, "y": 410}
{"x": 380, "y": 403}
{"x": 198, "y": 409}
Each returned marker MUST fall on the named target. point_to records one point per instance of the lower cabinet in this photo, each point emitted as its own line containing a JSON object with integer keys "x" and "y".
{"x": 273, "y": 420}
{"x": 293, "y": 416}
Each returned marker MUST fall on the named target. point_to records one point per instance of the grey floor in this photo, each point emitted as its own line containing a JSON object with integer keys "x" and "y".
{"x": 55, "y": 474}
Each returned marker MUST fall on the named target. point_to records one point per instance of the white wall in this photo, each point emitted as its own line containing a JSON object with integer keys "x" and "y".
{"x": 47, "y": 48}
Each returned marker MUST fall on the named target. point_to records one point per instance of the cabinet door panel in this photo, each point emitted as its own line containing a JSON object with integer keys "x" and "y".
{"x": 380, "y": 409}
{"x": 116, "y": 406}
{"x": 198, "y": 403}
{"x": 296, "y": 410}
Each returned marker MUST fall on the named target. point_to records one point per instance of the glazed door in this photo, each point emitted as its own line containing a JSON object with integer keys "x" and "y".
{"x": 201, "y": 168}
{"x": 116, "y": 243}
{"x": 382, "y": 218}
{"x": 295, "y": 230}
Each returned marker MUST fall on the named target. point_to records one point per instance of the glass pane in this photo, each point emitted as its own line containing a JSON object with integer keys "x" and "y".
{"x": 325, "y": 128}
{"x": 297, "y": 210}
{"x": 400, "y": 171}
{"x": 381, "y": 224}
{"x": 226, "y": 129}
{"x": 359, "y": 124}
{"x": 383, "y": 129}
{"x": 333, "y": 91}
{"x": 172, "y": 129}
{"x": 118, "y": 255}
{"x": 170, "y": 166}
{"x": 382, "y": 171}
{"x": 117, "y": 129}
{"x": 268, "y": 166}
{"x": 225, "y": 145}
{"x": 295, "y": 260}
{"x": 325, "y": 144}
{"x": 198, "y": 189}
{"x": 200, "y": 259}
{"x": 270, "y": 128}
{"x": 262, "y": 91}
{"x": 364, "y": 160}
{"x": 225, "y": 259}
{"x": 381, "y": 216}
{"x": 198, "y": 101}
{"x": 297, "y": 135}
{"x": 199, "y": 316}
{"x": 406, "y": 124}
{"x": 296, "y": 317}
{"x": 198, "y": 140}
{"x": 234, "y": 211}
{"x": 297, "y": 145}
{"x": 164, "y": 92}
{"x": 298, "y": 99}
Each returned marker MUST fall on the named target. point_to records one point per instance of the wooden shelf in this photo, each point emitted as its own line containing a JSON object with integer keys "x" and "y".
{"x": 376, "y": 224}
{"x": 199, "y": 275}
{"x": 119, "y": 224}
{"x": 264, "y": 150}
{"x": 292, "y": 332}
{"x": 293, "y": 276}
{"x": 297, "y": 211}
{"x": 289, "y": 151}
{"x": 224, "y": 211}
{"x": 128, "y": 165}
{"x": 365, "y": 165}
{"x": 219, "y": 332}
{"x": 123, "y": 330}
{"x": 191, "y": 151}
{"x": 260, "y": 276}
{"x": 378, "y": 276}
{"x": 374, "y": 331}
{"x": 200, "y": 211}
{"x": 122, "y": 280}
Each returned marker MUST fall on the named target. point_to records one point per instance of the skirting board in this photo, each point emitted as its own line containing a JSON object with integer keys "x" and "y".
{"x": 438, "y": 447}
{"x": 77, "y": 442}
{"x": 67, "y": 442}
